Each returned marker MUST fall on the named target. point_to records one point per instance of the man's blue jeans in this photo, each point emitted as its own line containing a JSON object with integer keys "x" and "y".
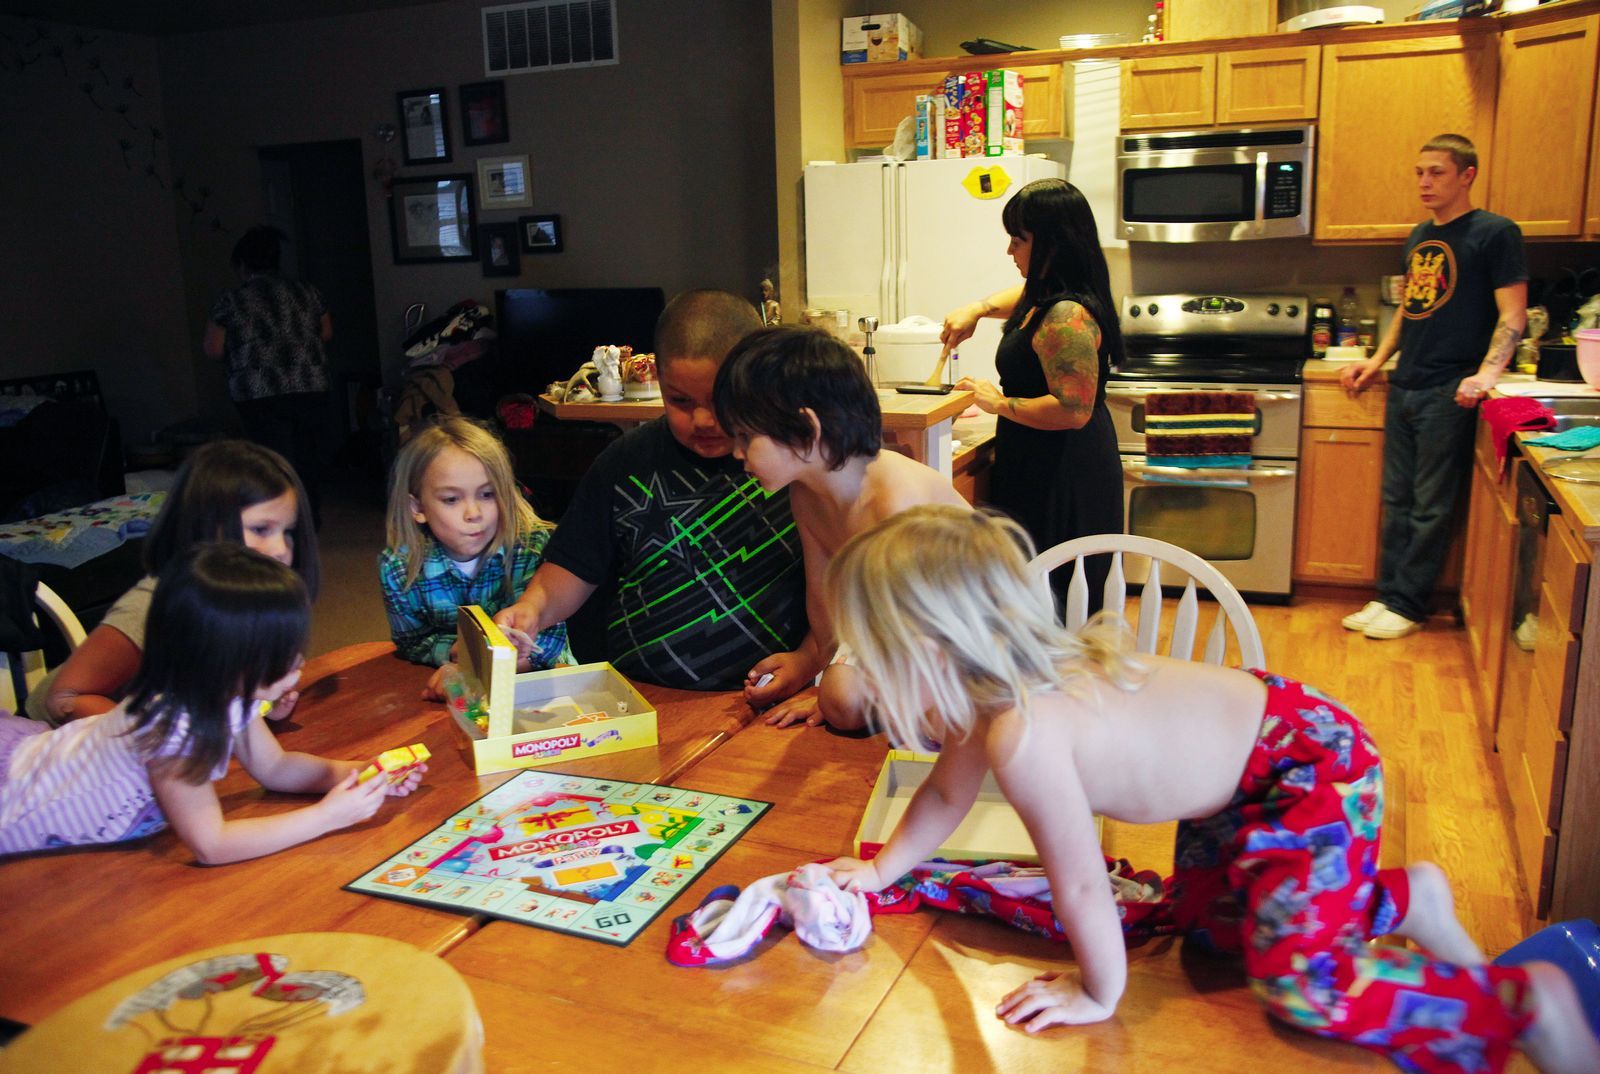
{"x": 1427, "y": 458}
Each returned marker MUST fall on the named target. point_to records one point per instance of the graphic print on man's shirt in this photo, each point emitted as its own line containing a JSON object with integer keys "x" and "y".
{"x": 692, "y": 599}
{"x": 1430, "y": 279}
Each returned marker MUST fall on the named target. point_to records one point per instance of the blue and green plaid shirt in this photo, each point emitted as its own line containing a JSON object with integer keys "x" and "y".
{"x": 422, "y": 618}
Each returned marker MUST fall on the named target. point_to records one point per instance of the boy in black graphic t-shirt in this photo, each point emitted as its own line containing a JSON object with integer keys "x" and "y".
{"x": 701, "y": 569}
{"x": 1465, "y": 306}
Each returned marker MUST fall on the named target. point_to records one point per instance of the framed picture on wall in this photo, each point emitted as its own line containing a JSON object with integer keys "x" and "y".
{"x": 424, "y": 128}
{"x": 483, "y": 113}
{"x": 499, "y": 245}
{"x": 540, "y": 234}
{"x": 432, "y": 218}
{"x": 503, "y": 183}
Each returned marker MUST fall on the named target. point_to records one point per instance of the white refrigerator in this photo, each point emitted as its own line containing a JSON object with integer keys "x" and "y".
{"x": 897, "y": 239}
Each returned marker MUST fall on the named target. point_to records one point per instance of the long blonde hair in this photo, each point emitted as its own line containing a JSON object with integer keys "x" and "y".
{"x": 517, "y": 518}
{"x": 942, "y": 599}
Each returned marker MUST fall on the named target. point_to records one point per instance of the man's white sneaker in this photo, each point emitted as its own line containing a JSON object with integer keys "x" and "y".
{"x": 1387, "y": 624}
{"x": 1359, "y": 620}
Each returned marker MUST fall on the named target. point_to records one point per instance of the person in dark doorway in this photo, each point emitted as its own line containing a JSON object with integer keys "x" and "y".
{"x": 271, "y": 330}
{"x": 1056, "y": 468}
{"x": 1466, "y": 296}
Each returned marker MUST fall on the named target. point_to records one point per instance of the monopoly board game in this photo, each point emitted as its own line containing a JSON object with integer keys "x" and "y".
{"x": 599, "y": 858}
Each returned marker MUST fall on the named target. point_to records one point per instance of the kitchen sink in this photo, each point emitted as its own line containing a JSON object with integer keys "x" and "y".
{"x": 1573, "y": 421}
{"x": 1568, "y": 406}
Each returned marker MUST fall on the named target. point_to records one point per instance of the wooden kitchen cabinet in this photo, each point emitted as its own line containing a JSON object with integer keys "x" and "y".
{"x": 1532, "y": 735}
{"x": 1196, "y": 20}
{"x": 1591, "y": 216}
{"x": 1547, "y": 735}
{"x": 1169, "y": 91}
{"x": 1242, "y": 86}
{"x": 878, "y": 96}
{"x": 1485, "y": 575}
{"x": 1381, "y": 100}
{"x": 1541, "y": 172}
{"x": 1341, "y": 472}
{"x": 1268, "y": 85}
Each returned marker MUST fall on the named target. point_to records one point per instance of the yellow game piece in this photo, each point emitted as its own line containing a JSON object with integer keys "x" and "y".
{"x": 395, "y": 763}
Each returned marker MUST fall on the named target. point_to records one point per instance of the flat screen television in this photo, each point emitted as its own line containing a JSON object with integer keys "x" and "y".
{"x": 545, "y": 335}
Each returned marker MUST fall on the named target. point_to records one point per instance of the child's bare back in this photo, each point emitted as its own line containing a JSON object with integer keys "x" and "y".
{"x": 891, "y": 483}
{"x": 1173, "y": 749}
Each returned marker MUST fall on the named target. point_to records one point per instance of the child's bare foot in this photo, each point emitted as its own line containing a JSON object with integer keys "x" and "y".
{"x": 1431, "y": 918}
{"x": 1559, "y": 1040}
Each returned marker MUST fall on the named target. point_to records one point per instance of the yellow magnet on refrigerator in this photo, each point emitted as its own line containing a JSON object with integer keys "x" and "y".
{"x": 987, "y": 183}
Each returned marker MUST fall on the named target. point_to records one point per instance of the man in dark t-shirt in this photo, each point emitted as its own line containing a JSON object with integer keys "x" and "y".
{"x": 1465, "y": 307}
{"x": 700, "y": 569}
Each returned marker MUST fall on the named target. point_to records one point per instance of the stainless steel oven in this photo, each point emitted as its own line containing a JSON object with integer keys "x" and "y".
{"x": 1240, "y": 519}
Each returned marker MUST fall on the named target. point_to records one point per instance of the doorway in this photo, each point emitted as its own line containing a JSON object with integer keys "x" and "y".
{"x": 316, "y": 193}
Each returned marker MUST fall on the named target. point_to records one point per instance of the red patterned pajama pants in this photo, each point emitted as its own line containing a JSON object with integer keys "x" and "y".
{"x": 1287, "y": 875}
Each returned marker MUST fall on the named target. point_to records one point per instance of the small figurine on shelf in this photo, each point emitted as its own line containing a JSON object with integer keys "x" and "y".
{"x": 771, "y": 313}
{"x": 608, "y": 360}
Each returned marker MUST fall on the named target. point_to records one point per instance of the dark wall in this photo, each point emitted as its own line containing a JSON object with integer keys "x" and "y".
{"x": 91, "y": 275}
{"x": 660, "y": 167}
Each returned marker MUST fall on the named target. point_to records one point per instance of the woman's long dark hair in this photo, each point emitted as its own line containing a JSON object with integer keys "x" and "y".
{"x": 1067, "y": 260}
{"x": 214, "y": 484}
{"x": 224, "y": 622}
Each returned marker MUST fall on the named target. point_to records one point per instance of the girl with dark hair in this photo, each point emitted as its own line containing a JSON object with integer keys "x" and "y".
{"x": 227, "y": 628}
{"x": 227, "y": 490}
{"x": 1056, "y": 468}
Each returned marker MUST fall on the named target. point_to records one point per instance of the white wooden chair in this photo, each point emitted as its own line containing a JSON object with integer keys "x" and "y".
{"x": 20, "y": 671}
{"x": 1183, "y": 567}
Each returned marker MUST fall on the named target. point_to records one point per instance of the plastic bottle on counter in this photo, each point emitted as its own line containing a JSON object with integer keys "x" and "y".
{"x": 1349, "y": 331}
{"x": 1321, "y": 328}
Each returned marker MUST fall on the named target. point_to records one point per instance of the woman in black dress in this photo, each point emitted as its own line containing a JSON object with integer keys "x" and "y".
{"x": 1056, "y": 468}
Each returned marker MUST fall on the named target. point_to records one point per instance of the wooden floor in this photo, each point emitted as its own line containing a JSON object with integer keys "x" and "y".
{"x": 1446, "y": 802}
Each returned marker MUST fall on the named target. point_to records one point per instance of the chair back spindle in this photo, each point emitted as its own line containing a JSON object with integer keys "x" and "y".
{"x": 1196, "y": 574}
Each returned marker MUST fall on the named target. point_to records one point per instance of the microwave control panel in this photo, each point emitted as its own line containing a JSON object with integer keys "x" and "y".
{"x": 1285, "y": 189}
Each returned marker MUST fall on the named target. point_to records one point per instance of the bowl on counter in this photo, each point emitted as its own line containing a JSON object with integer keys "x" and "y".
{"x": 1589, "y": 355}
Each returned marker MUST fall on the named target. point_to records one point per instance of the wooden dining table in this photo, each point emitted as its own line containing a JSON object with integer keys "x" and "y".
{"x": 918, "y": 995}
{"x": 71, "y": 920}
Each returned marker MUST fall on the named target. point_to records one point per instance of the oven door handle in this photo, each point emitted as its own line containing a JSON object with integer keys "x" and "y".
{"x": 1207, "y": 473}
{"x": 1289, "y": 396}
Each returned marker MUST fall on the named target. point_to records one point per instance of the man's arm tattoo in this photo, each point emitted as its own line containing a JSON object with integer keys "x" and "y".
{"x": 1501, "y": 345}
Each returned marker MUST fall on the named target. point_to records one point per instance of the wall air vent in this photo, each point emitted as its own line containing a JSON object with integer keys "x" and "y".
{"x": 549, "y": 35}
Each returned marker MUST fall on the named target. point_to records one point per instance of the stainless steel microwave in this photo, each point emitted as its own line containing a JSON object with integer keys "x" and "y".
{"x": 1215, "y": 185}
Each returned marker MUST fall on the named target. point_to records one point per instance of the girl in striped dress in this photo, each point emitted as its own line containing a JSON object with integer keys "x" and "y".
{"x": 223, "y": 642}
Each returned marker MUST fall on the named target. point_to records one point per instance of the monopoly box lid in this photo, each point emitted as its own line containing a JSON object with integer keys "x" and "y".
{"x": 991, "y": 831}
{"x": 541, "y": 717}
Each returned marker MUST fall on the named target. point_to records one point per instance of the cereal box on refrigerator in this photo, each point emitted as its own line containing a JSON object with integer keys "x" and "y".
{"x": 930, "y": 126}
{"x": 964, "y": 114}
{"x": 1002, "y": 113}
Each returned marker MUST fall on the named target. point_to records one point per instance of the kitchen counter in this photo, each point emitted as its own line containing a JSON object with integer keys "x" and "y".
{"x": 921, "y": 423}
{"x": 1580, "y": 503}
{"x": 1318, "y": 371}
{"x": 974, "y": 456}
{"x": 1546, "y": 724}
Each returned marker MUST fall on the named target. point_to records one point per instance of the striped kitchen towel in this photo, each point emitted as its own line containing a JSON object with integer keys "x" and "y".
{"x": 1203, "y": 429}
